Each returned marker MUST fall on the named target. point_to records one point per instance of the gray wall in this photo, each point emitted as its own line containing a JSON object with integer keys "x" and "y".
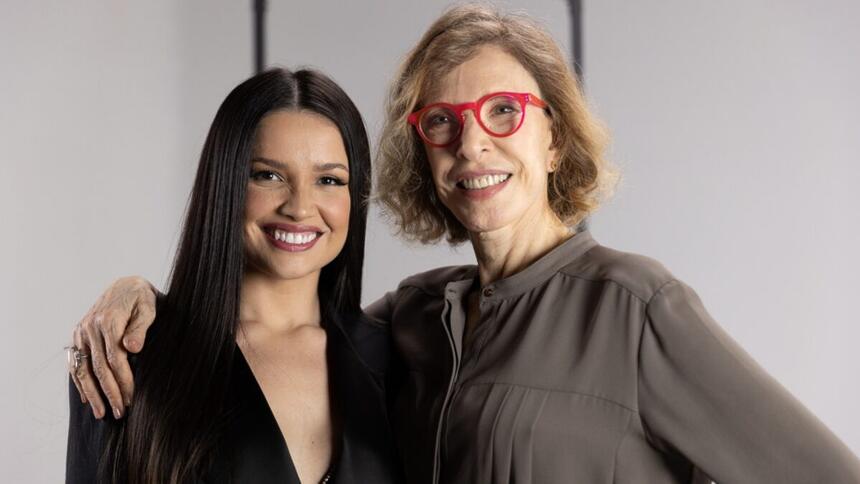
{"x": 735, "y": 125}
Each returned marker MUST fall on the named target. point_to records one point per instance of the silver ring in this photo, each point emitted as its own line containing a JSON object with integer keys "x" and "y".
{"x": 75, "y": 357}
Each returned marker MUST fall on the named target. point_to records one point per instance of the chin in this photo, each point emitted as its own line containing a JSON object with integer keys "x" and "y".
{"x": 275, "y": 269}
{"x": 292, "y": 273}
{"x": 485, "y": 219}
{"x": 483, "y": 225}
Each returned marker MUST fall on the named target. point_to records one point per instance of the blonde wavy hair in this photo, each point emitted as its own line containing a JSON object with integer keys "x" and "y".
{"x": 405, "y": 186}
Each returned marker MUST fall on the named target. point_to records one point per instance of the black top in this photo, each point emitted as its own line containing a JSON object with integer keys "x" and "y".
{"x": 358, "y": 352}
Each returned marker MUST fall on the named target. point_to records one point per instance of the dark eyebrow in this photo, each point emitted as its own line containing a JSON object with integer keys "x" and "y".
{"x": 331, "y": 166}
{"x": 283, "y": 166}
{"x": 270, "y": 162}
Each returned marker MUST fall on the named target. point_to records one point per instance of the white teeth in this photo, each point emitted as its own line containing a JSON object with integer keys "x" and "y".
{"x": 484, "y": 181}
{"x": 299, "y": 238}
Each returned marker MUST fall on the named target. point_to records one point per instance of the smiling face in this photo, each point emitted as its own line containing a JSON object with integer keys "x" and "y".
{"x": 488, "y": 182}
{"x": 298, "y": 202}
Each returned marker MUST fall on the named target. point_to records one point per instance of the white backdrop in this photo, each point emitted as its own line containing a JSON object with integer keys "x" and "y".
{"x": 735, "y": 125}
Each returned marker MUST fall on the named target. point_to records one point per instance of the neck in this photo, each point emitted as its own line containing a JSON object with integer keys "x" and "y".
{"x": 279, "y": 305}
{"x": 508, "y": 250}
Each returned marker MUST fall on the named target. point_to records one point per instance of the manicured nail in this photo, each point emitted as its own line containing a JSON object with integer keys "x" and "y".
{"x": 97, "y": 413}
{"x": 117, "y": 413}
{"x": 127, "y": 402}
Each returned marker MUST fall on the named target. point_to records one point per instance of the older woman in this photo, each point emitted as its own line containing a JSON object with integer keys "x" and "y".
{"x": 555, "y": 359}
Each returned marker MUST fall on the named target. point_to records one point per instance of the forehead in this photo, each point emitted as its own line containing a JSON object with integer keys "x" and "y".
{"x": 299, "y": 136}
{"x": 490, "y": 69}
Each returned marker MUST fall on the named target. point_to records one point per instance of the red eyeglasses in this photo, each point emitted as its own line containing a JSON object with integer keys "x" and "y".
{"x": 500, "y": 114}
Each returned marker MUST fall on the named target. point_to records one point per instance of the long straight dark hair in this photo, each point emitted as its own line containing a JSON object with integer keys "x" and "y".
{"x": 183, "y": 374}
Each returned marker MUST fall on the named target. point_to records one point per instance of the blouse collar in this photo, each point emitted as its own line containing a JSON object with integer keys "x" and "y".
{"x": 535, "y": 274}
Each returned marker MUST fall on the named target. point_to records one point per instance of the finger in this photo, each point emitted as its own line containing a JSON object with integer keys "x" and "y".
{"x": 100, "y": 366}
{"x": 79, "y": 388}
{"x": 142, "y": 318}
{"x": 71, "y": 369}
{"x": 117, "y": 360}
{"x": 84, "y": 376}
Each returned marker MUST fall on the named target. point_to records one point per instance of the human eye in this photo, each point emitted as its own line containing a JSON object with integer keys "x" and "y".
{"x": 265, "y": 176}
{"x": 440, "y": 119}
{"x": 331, "y": 181}
{"x": 505, "y": 107}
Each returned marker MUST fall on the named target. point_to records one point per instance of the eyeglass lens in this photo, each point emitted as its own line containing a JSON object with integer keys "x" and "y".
{"x": 499, "y": 115}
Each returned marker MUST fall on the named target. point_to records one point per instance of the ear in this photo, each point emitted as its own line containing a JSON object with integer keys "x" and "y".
{"x": 552, "y": 159}
{"x": 553, "y": 154}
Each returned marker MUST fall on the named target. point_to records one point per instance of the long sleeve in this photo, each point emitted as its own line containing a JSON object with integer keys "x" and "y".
{"x": 382, "y": 308}
{"x": 86, "y": 441}
{"x": 702, "y": 396}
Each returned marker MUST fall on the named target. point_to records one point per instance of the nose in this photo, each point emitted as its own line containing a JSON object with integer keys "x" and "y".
{"x": 474, "y": 141}
{"x": 298, "y": 204}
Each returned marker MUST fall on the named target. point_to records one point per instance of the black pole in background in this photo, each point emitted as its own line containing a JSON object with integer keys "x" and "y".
{"x": 576, "y": 37}
{"x": 575, "y": 30}
{"x": 578, "y": 64}
{"x": 259, "y": 35}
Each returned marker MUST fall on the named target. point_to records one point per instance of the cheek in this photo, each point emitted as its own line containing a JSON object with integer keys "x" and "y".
{"x": 335, "y": 212}
{"x": 258, "y": 203}
{"x": 440, "y": 162}
{"x": 535, "y": 158}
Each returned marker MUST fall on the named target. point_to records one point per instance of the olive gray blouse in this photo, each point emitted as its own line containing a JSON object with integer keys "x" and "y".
{"x": 589, "y": 366}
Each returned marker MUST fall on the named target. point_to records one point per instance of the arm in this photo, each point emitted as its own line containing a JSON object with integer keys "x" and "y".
{"x": 382, "y": 308}
{"x": 115, "y": 325}
{"x": 701, "y": 394}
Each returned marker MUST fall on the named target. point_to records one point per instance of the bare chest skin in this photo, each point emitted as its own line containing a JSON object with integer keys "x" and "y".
{"x": 292, "y": 372}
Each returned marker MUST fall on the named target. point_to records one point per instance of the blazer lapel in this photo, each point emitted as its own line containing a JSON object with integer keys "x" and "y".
{"x": 254, "y": 448}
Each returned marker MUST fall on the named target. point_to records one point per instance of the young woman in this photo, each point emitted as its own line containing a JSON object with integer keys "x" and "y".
{"x": 555, "y": 359}
{"x": 262, "y": 367}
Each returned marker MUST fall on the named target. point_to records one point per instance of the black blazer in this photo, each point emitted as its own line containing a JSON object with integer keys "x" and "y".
{"x": 358, "y": 354}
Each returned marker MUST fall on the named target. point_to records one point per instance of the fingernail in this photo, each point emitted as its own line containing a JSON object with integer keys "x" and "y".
{"x": 83, "y": 399}
{"x": 97, "y": 413}
{"x": 117, "y": 413}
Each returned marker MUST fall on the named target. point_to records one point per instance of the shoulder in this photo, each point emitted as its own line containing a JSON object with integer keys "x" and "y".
{"x": 370, "y": 338}
{"x": 639, "y": 275}
{"x": 419, "y": 290}
{"x": 362, "y": 327}
{"x": 433, "y": 282}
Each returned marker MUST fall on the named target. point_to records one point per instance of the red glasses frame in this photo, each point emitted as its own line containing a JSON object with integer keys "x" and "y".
{"x": 523, "y": 98}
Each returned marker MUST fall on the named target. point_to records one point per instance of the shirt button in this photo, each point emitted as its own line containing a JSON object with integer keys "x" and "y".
{"x": 488, "y": 291}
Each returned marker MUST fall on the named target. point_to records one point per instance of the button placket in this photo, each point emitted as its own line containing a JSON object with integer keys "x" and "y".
{"x": 452, "y": 299}
{"x": 485, "y": 329}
